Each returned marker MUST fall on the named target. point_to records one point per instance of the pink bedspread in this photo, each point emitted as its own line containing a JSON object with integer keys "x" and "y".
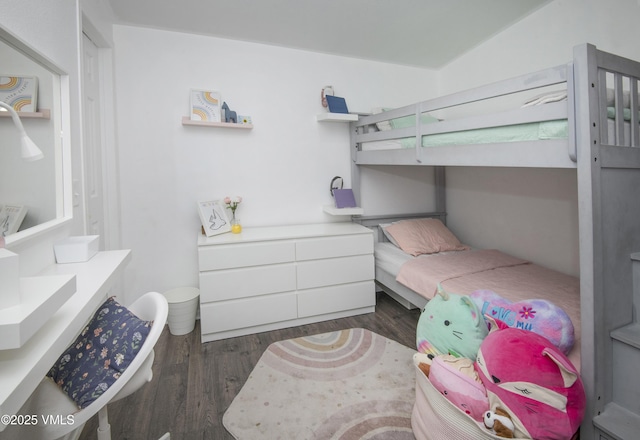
{"x": 422, "y": 275}
{"x": 510, "y": 277}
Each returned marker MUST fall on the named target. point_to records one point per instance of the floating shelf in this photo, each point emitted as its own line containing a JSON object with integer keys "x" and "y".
{"x": 330, "y": 209}
{"x": 187, "y": 121}
{"x": 44, "y": 113}
{"x": 41, "y": 297}
{"x": 337, "y": 117}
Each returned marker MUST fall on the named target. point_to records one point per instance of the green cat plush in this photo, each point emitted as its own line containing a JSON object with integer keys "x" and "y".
{"x": 450, "y": 324}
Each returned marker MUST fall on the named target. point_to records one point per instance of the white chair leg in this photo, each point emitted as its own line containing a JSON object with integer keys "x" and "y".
{"x": 104, "y": 428}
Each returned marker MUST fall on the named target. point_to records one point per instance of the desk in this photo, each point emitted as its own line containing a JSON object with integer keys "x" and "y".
{"x": 22, "y": 369}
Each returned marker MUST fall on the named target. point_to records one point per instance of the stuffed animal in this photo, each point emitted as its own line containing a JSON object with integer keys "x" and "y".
{"x": 458, "y": 381}
{"x": 531, "y": 379}
{"x": 537, "y": 315}
{"x": 450, "y": 324}
{"x": 499, "y": 422}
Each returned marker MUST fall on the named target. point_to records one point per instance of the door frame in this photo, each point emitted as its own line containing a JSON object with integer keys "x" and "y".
{"x": 108, "y": 141}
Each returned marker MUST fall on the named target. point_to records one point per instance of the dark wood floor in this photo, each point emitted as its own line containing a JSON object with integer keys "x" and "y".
{"x": 194, "y": 383}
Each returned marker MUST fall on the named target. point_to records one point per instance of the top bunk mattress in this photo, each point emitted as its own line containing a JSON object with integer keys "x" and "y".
{"x": 533, "y": 131}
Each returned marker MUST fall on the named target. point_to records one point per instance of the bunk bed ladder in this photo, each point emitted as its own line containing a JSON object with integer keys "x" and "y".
{"x": 621, "y": 417}
{"x": 608, "y": 178}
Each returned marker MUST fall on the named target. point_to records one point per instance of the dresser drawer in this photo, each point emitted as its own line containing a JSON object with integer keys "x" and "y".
{"x": 250, "y": 281}
{"x": 245, "y": 254}
{"x": 332, "y": 299}
{"x": 335, "y": 246}
{"x": 248, "y": 312}
{"x": 335, "y": 271}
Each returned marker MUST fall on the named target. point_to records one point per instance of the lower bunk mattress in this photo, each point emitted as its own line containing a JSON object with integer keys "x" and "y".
{"x": 464, "y": 272}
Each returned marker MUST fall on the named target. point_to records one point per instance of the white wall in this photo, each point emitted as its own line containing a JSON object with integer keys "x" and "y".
{"x": 282, "y": 168}
{"x": 531, "y": 213}
{"x": 546, "y": 38}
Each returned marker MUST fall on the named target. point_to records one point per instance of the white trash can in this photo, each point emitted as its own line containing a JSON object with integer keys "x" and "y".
{"x": 183, "y": 305}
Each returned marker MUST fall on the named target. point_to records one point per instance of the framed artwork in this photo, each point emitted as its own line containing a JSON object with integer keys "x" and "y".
{"x": 20, "y": 92}
{"x": 11, "y": 217}
{"x": 213, "y": 215}
{"x": 205, "y": 106}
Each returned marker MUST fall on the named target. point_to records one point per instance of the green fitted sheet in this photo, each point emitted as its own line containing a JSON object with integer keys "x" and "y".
{"x": 533, "y": 131}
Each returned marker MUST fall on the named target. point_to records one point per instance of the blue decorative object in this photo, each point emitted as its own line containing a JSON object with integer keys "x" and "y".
{"x": 229, "y": 115}
{"x": 100, "y": 354}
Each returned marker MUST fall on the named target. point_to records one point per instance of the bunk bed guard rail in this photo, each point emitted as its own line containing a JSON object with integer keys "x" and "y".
{"x": 364, "y": 130}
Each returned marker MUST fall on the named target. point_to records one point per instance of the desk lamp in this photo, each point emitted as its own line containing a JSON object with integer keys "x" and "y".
{"x": 30, "y": 150}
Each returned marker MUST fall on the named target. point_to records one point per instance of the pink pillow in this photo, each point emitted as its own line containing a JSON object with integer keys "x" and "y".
{"x": 424, "y": 236}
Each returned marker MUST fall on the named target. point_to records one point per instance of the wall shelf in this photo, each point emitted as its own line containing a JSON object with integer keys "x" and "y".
{"x": 330, "y": 209}
{"x": 187, "y": 121}
{"x": 336, "y": 117}
{"x": 42, "y": 296}
{"x": 43, "y": 113}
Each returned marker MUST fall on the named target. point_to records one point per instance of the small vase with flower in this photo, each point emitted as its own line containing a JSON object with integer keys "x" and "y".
{"x": 232, "y": 204}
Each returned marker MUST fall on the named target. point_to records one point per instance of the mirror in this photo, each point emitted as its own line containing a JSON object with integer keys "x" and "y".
{"x": 36, "y": 186}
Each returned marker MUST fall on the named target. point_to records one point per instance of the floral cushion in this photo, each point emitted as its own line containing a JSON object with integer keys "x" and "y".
{"x": 101, "y": 353}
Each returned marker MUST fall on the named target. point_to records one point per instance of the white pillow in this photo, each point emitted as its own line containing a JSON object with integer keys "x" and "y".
{"x": 389, "y": 237}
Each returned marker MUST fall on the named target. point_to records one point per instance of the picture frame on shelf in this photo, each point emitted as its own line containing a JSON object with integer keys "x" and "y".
{"x": 20, "y": 92}
{"x": 205, "y": 105}
{"x": 11, "y": 217}
{"x": 213, "y": 215}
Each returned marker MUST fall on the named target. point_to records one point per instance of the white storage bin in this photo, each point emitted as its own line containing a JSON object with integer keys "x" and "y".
{"x": 76, "y": 249}
{"x": 183, "y": 306}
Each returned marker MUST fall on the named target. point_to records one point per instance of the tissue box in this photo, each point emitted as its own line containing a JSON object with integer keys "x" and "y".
{"x": 76, "y": 249}
{"x": 9, "y": 279}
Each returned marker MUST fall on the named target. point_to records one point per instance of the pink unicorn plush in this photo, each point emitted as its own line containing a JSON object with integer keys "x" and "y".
{"x": 534, "y": 381}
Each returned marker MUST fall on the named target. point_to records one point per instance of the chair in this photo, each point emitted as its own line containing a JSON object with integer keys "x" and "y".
{"x": 48, "y": 400}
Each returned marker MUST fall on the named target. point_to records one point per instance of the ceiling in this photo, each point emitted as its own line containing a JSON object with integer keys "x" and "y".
{"x": 424, "y": 33}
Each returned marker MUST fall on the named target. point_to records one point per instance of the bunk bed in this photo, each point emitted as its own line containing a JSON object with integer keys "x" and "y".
{"x": 587, "y": 111}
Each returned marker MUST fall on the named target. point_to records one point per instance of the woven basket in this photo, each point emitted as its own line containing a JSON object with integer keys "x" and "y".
{"x": 435, "y": 418}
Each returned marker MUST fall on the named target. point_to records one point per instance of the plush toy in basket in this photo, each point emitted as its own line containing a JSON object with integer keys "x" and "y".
{"x": 537, "y": 315}
{"x": 450, "y": 324}
{"x": 457, "y": 380}
{"x": 437, "y": 413}
{"x": 530, "y": 389}
{"x": 534, "y": 382}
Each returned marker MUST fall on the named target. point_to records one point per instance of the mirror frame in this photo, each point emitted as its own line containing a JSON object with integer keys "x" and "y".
{"x": 64, "y": 206}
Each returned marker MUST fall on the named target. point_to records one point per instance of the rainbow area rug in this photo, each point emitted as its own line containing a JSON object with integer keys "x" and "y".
{"x": 350, "y": 384}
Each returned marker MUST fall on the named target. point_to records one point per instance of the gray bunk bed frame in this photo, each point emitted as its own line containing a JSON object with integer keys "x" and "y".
{"x": 608, "y": 176}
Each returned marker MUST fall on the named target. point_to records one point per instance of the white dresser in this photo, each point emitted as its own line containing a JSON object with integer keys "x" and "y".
{"x": 281, "y": 276}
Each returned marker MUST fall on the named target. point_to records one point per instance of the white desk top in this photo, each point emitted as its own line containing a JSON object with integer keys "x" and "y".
{"x": 22, "y": 369}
